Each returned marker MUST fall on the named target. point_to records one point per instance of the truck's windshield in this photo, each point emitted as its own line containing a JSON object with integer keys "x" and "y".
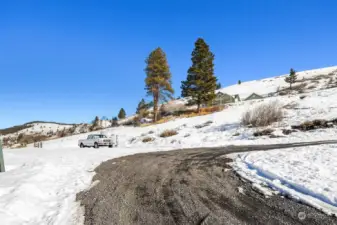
{"x": 98, "y": 136}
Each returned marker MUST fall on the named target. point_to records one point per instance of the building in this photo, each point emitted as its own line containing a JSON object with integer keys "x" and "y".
{"x": 222, "y": 98}
{"x": 253, "y": 96}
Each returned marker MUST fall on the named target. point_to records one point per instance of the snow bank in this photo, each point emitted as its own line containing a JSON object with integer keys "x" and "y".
{"x": 307, "y": 174}
{"x": 40, "y": 185}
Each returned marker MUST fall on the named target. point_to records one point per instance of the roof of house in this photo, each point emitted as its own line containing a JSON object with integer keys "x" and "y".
{"x": 253, "y": 94}
{"x": 243, "y": 95}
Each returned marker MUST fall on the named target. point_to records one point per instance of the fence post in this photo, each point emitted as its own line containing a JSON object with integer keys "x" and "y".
{"x": 2, "y": 161}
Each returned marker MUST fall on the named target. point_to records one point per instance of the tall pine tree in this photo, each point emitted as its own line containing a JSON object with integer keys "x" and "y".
{"x": 200, "y": 84}
{"x": 291, "y": 78}
{"x": 121, "y": 114}
{"x": 158, "y": 79}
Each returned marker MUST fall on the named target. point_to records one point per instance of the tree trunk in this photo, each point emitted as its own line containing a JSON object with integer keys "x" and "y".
{"x": 198, "y": 109}
{"x": 290, "y": 85}
{"x": 155, "y": 105}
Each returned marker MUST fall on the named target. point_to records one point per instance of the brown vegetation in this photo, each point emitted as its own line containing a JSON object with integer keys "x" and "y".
{"x": 148, "y": 139}
{"x": 263, "y": 115}
{"x": 168, "y": 133}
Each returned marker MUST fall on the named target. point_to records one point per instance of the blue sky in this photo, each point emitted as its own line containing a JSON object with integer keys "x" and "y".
{"x": 69, "y": 61}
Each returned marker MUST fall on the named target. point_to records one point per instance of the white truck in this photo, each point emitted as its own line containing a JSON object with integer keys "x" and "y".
{"x": 97, "y": 140}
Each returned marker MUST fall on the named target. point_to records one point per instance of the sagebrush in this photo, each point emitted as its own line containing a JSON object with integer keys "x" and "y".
{"x": 168, "y": 133}
{"x": 148, "y": 139}
{"x": 263, "y": 115}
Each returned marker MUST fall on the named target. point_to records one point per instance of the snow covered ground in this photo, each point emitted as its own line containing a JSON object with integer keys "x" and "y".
{"x": 41, "y": 128}
{"x": 270, "y": 85}
{"x": 40, "y": 185}
{"x": 307, "y": 174}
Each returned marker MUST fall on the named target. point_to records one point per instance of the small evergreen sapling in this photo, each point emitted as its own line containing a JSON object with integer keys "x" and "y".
{"x": 121, "y": 114}
{"x": 291, "y": 78}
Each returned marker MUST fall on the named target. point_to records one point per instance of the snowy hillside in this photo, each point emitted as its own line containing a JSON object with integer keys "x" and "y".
{"x": 273, "y": 84}
{"x": 43, "y": 128}
{"x": 40, "y": 185}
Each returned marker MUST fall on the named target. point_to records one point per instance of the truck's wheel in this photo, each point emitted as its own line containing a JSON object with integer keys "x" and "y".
{"x": 96, "y": 145}
{"x": 110, "y": 146}
{"x": 81, "y": 145}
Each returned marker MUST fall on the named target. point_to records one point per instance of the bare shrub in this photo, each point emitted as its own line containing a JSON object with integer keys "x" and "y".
{"x": 148, "y": 139}
{"x": 168, "y": 133}
{"x": 264, "y": 132}
{"x": 27, "y": 139}
{"x": 263, "y": 115}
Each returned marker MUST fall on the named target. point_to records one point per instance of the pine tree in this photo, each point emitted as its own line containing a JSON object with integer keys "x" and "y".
{"x": 96, "y": 122}
{"x": 218, "y": 86}
{"x": 291, "y": 78}
{"x": 141, "y": 105}
{"x": 200, "y": 84}
{"x": 158, "y": 79}
{"x": 239, "y": 82}
{"x": 121, "y": 114}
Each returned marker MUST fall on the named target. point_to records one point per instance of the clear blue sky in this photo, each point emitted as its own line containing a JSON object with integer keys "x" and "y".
{"x": 69, "y": 61}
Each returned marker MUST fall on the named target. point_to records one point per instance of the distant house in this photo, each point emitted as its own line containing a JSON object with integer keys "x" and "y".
{"x": 253, "y": 96}
{"x": 237, "y": 98}
{"x": 222, "y": 98}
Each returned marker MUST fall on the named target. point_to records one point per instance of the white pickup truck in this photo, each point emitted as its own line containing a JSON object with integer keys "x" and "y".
{"x": 97, "y": 140}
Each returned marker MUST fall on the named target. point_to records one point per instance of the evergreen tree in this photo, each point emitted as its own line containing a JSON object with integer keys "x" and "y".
{"x": 239, "y": 82}
{"x": 96, "y": 121}
{"x": 158, "y": 79}
{"x": 291, "y": 78}
{"x": 218, "y": 86}
{"x": 121, "y": 114}
{"x": 200, "y": 84}
{"x": 149, "y": 105}
{"x": 141, "y": 105}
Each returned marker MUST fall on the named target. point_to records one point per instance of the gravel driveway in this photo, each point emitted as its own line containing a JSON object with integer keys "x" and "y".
{"x": 189, "y": 186}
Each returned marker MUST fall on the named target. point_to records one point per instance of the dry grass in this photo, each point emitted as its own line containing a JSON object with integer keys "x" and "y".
{"x": 212, "y": 109}
{"x": 187, "y": 114}
{"x": 168, "y": 133}
{"x": 148, "y": 139}
{"x": 263, "y": 115}
{"x": 28, "y": 139}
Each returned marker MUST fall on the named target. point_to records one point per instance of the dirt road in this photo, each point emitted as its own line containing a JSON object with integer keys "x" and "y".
{"x": 194, "y": 186}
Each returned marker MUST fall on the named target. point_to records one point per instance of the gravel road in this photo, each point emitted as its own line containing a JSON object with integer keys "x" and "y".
{"x": 188, "y": 186}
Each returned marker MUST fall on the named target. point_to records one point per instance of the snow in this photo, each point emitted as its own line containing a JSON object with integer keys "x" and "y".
{"x": 40, "y": 185}
{"x": 43, "y": 128}
{"x": 271, "y": 85}
{"x": 306, "y": 174}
